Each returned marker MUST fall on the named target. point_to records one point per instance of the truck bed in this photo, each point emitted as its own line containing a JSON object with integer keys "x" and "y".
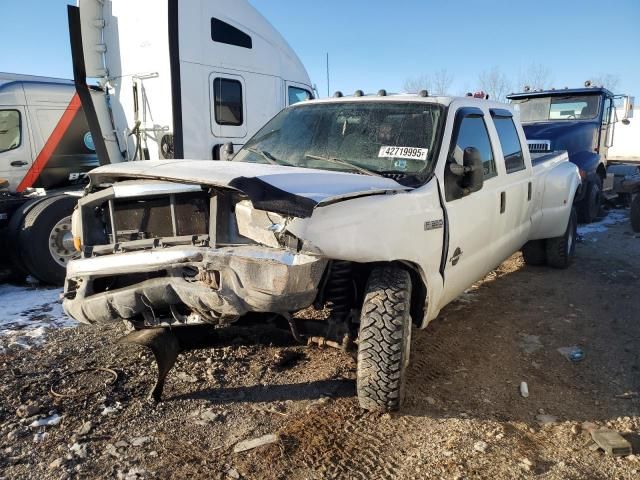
{"x": 540, "y": 158}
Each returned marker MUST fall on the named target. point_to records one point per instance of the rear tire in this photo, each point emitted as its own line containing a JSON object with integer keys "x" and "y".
{"x": 635, "y": 213}
{"x": 534, "y": 253}
{"x": 589, "y": 207}
{"x": 560, "y": 250}
{"x": 44, "y": 239}
{"x": 385, "y": 339}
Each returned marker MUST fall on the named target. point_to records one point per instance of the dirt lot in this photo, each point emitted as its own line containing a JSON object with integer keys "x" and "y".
{"x": 465, "y": 417}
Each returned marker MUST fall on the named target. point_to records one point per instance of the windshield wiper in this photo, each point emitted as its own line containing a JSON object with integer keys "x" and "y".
{"x": 264, "y": 154}
{"x": 337, "y": 161}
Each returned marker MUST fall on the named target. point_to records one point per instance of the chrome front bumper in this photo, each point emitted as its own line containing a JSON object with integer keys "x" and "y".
{"x": 212, "y": 283}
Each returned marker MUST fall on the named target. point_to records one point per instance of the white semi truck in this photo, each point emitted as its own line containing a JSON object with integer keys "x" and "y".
{"x": 177, "y": 79}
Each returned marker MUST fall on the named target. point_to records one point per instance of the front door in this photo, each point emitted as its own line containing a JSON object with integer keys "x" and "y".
{"x": 472, "y": 218}
{"x": 15, "y": 147}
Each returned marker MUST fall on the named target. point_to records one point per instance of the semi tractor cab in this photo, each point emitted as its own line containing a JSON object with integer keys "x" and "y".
{"x": 581, "y": 121}
{"x": 186, "y": 77}
{"x": 46, "y": 150}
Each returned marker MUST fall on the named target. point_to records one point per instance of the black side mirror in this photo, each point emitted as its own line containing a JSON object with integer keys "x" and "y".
{"x": 625, "y": 121}
{"x": 474, "y": 176}
{"x": 227, "y": 151}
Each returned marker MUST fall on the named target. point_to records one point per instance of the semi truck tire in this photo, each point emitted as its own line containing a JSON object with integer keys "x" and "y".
{"x": 589, "y": 207}
{"x": 46, "y": 243}
{"x": 19, "y": 271}
{"x": 534, "y": 253}
{"x": 384, "y": 341}
{"x": 635, "y": 213}
{"x": 560, "y": 250}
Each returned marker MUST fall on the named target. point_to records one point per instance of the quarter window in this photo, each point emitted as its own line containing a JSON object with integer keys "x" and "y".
{"x": 297, "y": 95}
{"x": 473, "y": 133}
{"x": 228, "y": 102}
{"x": 10, "y": 130}
{"x": 510, "y": 142}
{"x": 222, "y": 32}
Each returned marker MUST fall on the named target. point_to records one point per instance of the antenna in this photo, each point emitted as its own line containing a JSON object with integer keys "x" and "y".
{"x": 328, "y": 78}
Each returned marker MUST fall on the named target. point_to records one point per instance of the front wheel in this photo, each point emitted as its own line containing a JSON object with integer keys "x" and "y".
{"x": 385, "y": 339}
{"x": 560, "y": 250}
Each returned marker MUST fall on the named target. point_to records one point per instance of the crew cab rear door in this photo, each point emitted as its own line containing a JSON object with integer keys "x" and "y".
{"x": 471, "y": 219}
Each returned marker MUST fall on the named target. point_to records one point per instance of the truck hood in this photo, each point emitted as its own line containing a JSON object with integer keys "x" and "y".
{"x": 280, "y": 189}
{"x": 574, "y": 137}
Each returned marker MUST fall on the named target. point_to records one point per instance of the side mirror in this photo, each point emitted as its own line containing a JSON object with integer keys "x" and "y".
{"x": 474, "y": 178}
{"x": 227, "y": 151}
{"x": 626, "y": 121}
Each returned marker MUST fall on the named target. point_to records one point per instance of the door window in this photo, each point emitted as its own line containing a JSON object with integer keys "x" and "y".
{"x": 606, "y": 114}
{"x": 297, "y": 95}
{"x": 510, "y": 142}
{"x": 10, "y": 130}
{"x": 228, "y": 102}
{"x": 473, "y": 133}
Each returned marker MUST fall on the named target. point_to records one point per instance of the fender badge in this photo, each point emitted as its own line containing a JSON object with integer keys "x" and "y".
{"x": 456, "y": 257}
{"x": 433, "y": 225}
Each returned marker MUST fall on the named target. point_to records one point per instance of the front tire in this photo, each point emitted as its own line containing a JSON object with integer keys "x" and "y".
{"x": 589, "y": 208}
{"x": 535, "y": 253}
{"x": 384, "y": 341}
{"x": 560, "y": 250}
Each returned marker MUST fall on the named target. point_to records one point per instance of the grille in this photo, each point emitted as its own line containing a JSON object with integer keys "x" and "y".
{"x": 539, "y": 145}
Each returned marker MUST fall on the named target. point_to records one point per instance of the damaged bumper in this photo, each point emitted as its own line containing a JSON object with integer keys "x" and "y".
{"x": 190, "y": 285}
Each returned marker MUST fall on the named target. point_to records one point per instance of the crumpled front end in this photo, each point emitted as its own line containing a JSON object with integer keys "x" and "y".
{"x": 179, "y": 286}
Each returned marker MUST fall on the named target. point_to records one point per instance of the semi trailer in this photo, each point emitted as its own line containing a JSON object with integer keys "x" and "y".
{"x": 176, "y": 79}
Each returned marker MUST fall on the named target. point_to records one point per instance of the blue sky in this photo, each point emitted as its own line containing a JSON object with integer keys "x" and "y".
{"x": 377, "y": 44}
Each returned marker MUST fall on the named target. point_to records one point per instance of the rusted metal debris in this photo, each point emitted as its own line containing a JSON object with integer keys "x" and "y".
{"x": 113, "y": 376}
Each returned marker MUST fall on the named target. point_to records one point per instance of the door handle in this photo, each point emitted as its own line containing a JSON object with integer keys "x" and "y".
{"x": 530, "y": 192}
{"x": 503, "y": 202}
{"x": 19, "y": 163}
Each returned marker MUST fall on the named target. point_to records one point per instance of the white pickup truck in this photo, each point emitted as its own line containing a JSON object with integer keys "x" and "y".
{"x": 378, "y": 209}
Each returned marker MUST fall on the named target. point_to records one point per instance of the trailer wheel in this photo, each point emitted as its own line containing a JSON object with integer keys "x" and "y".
{"x": 635, "y": 213}
{"x": 560, "y": 250}
{"x": 385, "y": 339}
{"x": 534, "y": 253}
{"x": 46, "y": 242}
{"x": 589, "y": 207}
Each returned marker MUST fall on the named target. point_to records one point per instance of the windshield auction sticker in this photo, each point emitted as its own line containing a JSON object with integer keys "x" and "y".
{"x": 410, "y": 153}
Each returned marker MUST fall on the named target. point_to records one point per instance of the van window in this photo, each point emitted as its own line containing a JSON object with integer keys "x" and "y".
{"x": 10, "y": 130}
{"x": 222, "y": 32}
{"x": 297, "y": 95}
{"x": 473, "y": 133}
{"x": 510, "y": 142}
{"x": 228, "y": 102}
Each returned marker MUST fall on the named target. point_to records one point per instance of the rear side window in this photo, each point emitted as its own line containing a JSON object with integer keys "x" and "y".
{"x": 10, "y": 130}
{"x": 473, "y": 133}
{"x": 228, "y": 102}
{"x": 510, "y": 142}
{"x": 297, "y": 95}
{"x": 222, "y": 32}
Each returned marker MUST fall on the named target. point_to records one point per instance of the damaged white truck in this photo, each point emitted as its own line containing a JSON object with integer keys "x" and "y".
{"x": 379, "y": 210}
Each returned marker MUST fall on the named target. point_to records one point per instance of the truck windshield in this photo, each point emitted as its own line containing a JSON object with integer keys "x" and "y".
{"x": 545, "y": 109}
{"x": 364, "y": 137}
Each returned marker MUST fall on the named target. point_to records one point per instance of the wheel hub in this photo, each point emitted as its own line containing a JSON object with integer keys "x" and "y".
{"x": 61, "y": 245}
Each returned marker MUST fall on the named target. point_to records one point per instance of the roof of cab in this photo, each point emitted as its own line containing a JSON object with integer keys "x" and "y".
{"x": 560, "y": 92}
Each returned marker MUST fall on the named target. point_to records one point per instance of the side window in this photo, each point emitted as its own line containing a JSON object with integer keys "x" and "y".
{"x": 297, "y": 95}
{"x": 228, "y": 102}
{"x": 222, "y": 32}
{"x": 510, "y": 142}
{"x": 606, "y": 114}
{"x": 473, "y": 133}
{"x": 10, "y": 130}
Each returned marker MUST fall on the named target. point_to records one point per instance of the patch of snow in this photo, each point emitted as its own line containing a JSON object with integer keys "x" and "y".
{"x": 26, "y": 313}
{"x": 51, "y": 421}
{"x": 614, "y": 217}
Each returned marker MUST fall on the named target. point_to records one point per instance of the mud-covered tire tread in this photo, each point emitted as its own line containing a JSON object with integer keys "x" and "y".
{"x": 534, "y": 253}
{"x": 385, "y": 331}
{"x": 558, "y": 254}
{"x": 34, "y": 238}
{"x": 635, "y": 213}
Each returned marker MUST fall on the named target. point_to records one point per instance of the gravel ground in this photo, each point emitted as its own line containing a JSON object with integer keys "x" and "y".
{"x": 464, "y": 418}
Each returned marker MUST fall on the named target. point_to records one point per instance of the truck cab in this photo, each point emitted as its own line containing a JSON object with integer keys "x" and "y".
{"x": 578, "y": 120}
